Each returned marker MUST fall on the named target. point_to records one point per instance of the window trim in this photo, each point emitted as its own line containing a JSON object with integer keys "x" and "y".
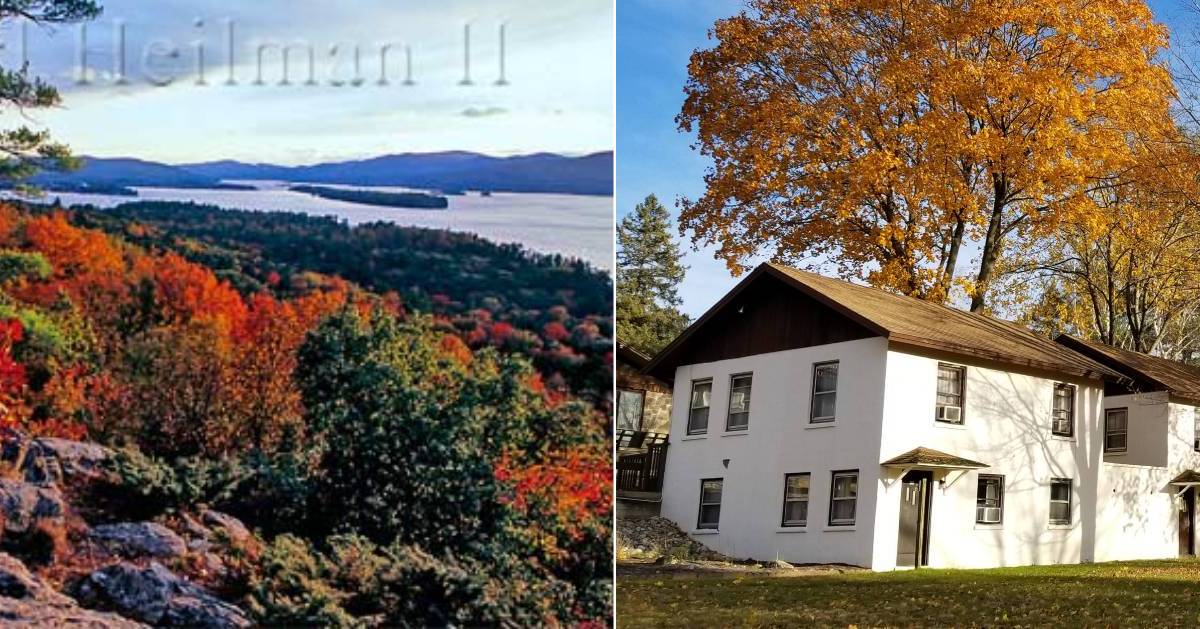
{"x": 1107, "y": 412}
{"x": 729, "y": 411}
{"x": 1195, "y": 429}
{"x": 1070, "y": 499}
{"x": 962, "y": 395}
{"x": 783, "y": 521}
{"x": 1071, "y": 411}
{"x": 999, "y": 502}
{"x": 812, "y": 398}
{"x": 833, "y": 476}
{"x": 691, "y": 395}
{"x": 700, "y": 526}
{"x": 641, "y": 411}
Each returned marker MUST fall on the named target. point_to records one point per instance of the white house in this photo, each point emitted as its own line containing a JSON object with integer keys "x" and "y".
{"x": 819, "y": 421}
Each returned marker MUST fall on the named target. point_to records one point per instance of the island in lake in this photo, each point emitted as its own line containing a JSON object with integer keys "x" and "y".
{"x": 418, "y": 200}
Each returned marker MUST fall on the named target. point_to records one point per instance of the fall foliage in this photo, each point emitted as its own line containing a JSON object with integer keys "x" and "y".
{"x": 884, "y": 137}
{"x": 312, "y": 408}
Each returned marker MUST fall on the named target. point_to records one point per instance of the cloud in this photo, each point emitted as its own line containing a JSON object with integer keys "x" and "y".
{"x": 476, "y": 112}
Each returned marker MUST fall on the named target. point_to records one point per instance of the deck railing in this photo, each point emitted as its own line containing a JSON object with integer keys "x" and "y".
{"x": 640, "y": 467}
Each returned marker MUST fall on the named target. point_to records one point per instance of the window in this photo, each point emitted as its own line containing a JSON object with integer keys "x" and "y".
{"x": 710, "y": 503}
{"x": 989, "y": 500}
{"x": 950, "y": 393}
{"x": 824, "y": 392}
{"x": 1196, "y": 429}
{"x": 698, "y": 415}
{"x": 1116, "y": 430}
{"x": 1060, "y": 501}
{"x": 629, "y": 409}
{"x": 739, "y": 402}
{"x": 843, "y": 498}
{"x": 795, "y": 500}
{"x": 1063, "y": 416}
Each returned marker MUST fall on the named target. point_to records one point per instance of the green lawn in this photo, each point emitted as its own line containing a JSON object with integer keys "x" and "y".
{"x": 1120, "y": 594}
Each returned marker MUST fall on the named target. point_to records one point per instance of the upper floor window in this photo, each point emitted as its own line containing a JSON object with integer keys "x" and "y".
{"x": 1196, "y": 429}
{"x": 795, "y": 500}
{"x": 739, "y": 402}
{"x": 629, "y": 409}
{"x": 1116, "y": 430}
{"x": 824, "y": 392}
{"x": 989, "y": 499}
{"x": 710, "y": 503}
{"x": 950, "y": 383}
{"x": 1060, "y": 501}
{"x": 843, "y": 499}
{"x": 698, "y": 411}
{"x": 1063, "y": 415}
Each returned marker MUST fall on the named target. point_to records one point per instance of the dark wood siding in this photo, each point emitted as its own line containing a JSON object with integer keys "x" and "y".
{"x": 769, "y": 316}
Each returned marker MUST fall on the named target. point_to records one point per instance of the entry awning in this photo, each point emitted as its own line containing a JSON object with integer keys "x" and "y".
{"x": 928, "y": 458}
{"x": 1188, "y": 478}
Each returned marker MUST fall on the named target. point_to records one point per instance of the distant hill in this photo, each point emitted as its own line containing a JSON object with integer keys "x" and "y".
{"x": 122, "y": 172}
{"x": 453, "y": 170}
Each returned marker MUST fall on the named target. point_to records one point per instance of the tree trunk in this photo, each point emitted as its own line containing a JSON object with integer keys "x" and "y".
{"x": 992, "y": 244}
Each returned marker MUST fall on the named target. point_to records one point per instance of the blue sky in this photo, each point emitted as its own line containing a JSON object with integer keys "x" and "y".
{"x": 559, "y": 66}
{"x": 655, "y": 38}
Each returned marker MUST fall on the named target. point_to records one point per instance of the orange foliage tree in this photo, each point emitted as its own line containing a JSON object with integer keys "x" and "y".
{"x": 883, "y": 136}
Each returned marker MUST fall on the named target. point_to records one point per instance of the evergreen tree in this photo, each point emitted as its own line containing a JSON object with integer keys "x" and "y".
{"x": 24, "y": 151}
{"x": 649, "y": 272}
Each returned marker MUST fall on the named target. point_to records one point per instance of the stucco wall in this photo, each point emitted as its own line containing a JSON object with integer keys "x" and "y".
{"x": 1138, "y": 516}
{"x": 780, "y": 440}
{"x": 1006, "y": 424}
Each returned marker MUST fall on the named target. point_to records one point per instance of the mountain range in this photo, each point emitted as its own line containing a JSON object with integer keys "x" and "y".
{"x": 450, "y": 171}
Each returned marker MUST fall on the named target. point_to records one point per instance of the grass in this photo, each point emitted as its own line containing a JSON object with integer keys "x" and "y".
{"x": 1118, "y": 594}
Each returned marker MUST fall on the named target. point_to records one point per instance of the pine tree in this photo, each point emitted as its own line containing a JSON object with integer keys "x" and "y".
{"x": 649, "y": 272}
{"x": 24, "y": 151}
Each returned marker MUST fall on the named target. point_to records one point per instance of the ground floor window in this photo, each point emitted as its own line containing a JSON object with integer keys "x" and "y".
{"x": 795, "y": 500}
{"x": 844, "y": 498}
{"x": 1060, "y": 501}
{"x": 710, "y": 503}
{"x": 629, "y": 409}
{"x": 989, "y": 499}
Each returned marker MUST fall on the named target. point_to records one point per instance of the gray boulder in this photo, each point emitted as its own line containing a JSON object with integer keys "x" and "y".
{"x": 49, "y": 460}
{"x": 22, "y": 504}
{"x": 61, "y": 459}
{"x": 139, "y": 539}
{"x": 156, "y": 596}
{"x": 233, "y": 527}
{"x": 27, "y": 601}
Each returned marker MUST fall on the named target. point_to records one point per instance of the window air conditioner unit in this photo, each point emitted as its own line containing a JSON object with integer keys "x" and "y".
{"x": 951, "y": 414}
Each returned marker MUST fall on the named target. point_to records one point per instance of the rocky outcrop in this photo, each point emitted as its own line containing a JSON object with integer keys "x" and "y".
{"x": 157, "y": 596}
{"x": 232, "y": 527}
{"x": 26, "y": 601}
{"x": 50, "y": 460}
{"x": 139, "y": 539}
{"x": 22, "y": 504}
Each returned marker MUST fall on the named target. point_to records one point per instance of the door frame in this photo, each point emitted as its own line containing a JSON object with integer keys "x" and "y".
{"x": 1189, "y": 508}
{"x": 924, "y": 508}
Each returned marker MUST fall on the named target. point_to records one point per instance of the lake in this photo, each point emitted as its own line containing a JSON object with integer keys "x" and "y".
{"x": 573, "y": 225}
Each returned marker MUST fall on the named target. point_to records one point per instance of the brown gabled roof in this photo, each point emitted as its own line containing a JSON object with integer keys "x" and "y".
{"x": 928, "y": 457}
{"x": 919, "y": 323}
{"x": 1151, "y": 372}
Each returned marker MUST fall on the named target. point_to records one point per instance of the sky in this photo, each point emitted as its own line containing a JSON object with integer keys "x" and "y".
{"x": 655, "y": 39}
{"x": 558, "y": 63}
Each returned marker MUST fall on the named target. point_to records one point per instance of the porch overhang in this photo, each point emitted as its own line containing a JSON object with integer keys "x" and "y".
{"x": 1185, "y": 481}
{"x": 930, "y": 459}
{"x": 927, "y": 459}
